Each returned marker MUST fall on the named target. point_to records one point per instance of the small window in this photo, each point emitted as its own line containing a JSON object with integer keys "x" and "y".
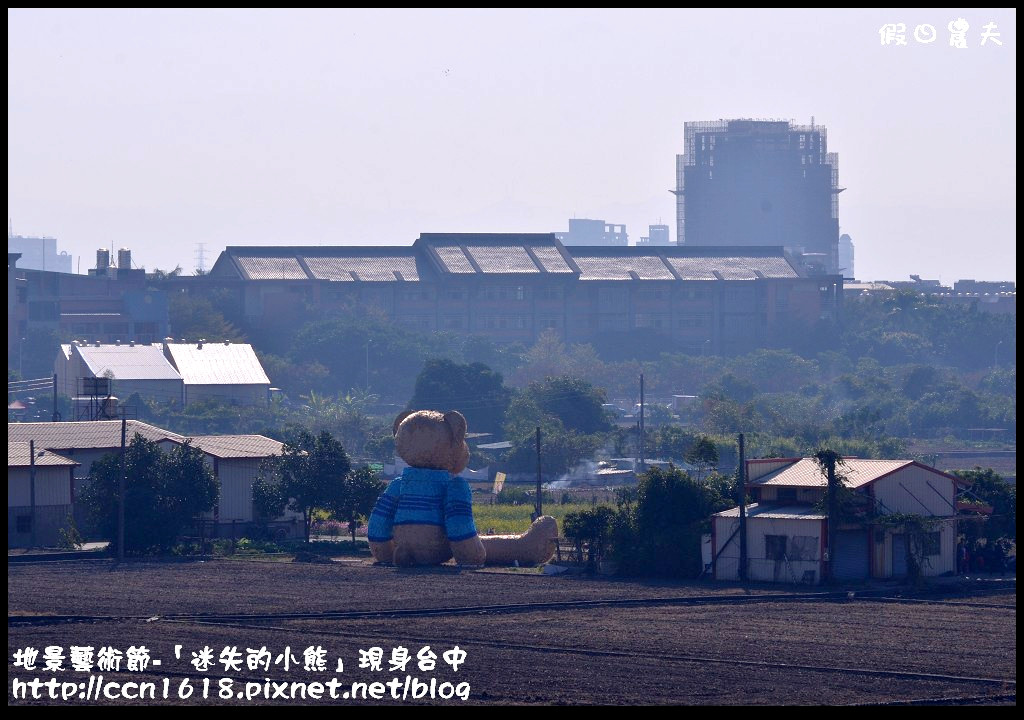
{"x": 775, "y": 547}
{"x": 933, "y": 543}
{"x": 787, "y": 494}
{"x": 24, "y": 523}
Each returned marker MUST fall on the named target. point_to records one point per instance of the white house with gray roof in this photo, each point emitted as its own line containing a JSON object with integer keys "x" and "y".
{"x": 787, "y": 537}
{"x": 70, "y": 448}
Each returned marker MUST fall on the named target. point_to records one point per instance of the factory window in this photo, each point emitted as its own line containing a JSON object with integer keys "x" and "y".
{"x": 42, "y": 311}
{"x": 775, "y": 547}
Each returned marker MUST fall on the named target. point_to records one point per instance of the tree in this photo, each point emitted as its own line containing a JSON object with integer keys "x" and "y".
{"x": 196, "y": 317}
{"x": 362, "y": 487}
{"x": 703, "y": 456}
{"x": 989, "y": 487}
{"x": 164, "y": 492}
{"x": 661, "y": 536}
{"x": 573, "y": 402}
{"x": 592, "y": 528}
{"x": 309, "y": 473}
{"x": 475, "y": 390}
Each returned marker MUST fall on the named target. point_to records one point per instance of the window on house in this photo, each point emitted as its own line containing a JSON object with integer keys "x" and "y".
{"x": 933, "y": 543}
{"x": 775, "y": 547}
{"x": 803, "y": 547}
{"x": 785, "y": 494}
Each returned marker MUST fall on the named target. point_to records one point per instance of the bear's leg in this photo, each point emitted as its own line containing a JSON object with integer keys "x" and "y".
{"x": 534, "y": 547}
{"x": 469, "y": 551}
{"x": 383, "y": 552}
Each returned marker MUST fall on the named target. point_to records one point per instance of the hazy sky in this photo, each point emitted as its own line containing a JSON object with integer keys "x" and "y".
{"x": 159, "y": 129}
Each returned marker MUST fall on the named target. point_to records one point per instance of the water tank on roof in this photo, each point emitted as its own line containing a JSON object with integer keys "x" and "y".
{"x": 102, "y": 259}
{"x": 124, "y": 259}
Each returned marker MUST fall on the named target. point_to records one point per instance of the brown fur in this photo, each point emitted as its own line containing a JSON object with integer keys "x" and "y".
{"x": 428, "y": 439}
{"x": 534, "y": 547}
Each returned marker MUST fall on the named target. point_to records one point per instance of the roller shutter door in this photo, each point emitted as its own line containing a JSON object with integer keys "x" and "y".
{"x": 850, "y": 560}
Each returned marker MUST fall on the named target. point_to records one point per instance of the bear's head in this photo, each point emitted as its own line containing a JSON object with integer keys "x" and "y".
{"x": 429, "y": 439}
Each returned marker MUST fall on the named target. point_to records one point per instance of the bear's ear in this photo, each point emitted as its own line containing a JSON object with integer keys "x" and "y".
{"x": 457, "y": 423}
{"x": 398, "y": 421}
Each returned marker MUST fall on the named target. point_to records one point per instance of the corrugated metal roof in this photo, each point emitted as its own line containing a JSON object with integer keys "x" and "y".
{"x": 271, "y": 268}
{"x": 806, "y": 473}
{"x": 732, "y": 268}
{"x": 502, "y": 258}
{"x": 369, "y": 269}
{"x": 84, "y": 435}
{"x": 18, "y": 456}
{"x": 776, "y": 512}
{"x": 550, "y": 259}
{"x": 454, "y": 260}
{"x": 141, "y": 362}
{"x": 237, "y": 446}
{"x": 618, "y": 267}
{"x": 217, "y": 364}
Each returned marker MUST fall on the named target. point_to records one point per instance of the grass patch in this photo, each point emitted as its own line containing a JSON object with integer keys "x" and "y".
{"x": 513, "y": 519}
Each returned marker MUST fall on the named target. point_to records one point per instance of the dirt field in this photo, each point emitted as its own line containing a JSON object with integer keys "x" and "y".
{"x": 768, "y": 649}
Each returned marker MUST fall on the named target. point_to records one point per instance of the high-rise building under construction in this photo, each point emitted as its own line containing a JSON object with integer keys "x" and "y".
{"x": 760, "y": 182}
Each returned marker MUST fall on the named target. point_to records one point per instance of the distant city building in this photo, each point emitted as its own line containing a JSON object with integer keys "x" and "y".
{"x": 514, "y": 287}
{"x": 593, "y": 232}
{"x": 846, "y": 257}
{"x": 39, "y": 253}
{"x": 983, "y": 287}
{"x": 111, "y": 307}
{"x": 657, "y": 235}
{"x": 759, "y": 182}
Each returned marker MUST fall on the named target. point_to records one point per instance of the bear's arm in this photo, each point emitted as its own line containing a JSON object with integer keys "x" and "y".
{"x": 458, "y": 511}
{"x": 382, "y": 519}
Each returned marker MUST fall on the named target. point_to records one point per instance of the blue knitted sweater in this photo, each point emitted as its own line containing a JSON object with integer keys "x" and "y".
{"x": 421, "y": 496}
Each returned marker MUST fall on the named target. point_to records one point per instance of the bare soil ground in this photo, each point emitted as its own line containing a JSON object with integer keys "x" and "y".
{"x": 772, "y": 652}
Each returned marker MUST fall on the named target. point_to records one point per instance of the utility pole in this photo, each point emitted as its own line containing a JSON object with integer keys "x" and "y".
{"x": 120, "y": 492}
{"x": 540, "y": 509}
{"x": 743, "y": 510}
{"x": 641, "y": 465}
{"x": 55, "y": 416}
{"x": 32, "y": 490}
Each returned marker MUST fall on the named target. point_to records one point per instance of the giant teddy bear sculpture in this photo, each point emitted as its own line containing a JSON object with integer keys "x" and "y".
{"x": 425, "y": 516}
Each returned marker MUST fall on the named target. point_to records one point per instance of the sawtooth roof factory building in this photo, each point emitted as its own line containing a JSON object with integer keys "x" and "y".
{"x": 513, "y": 287}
